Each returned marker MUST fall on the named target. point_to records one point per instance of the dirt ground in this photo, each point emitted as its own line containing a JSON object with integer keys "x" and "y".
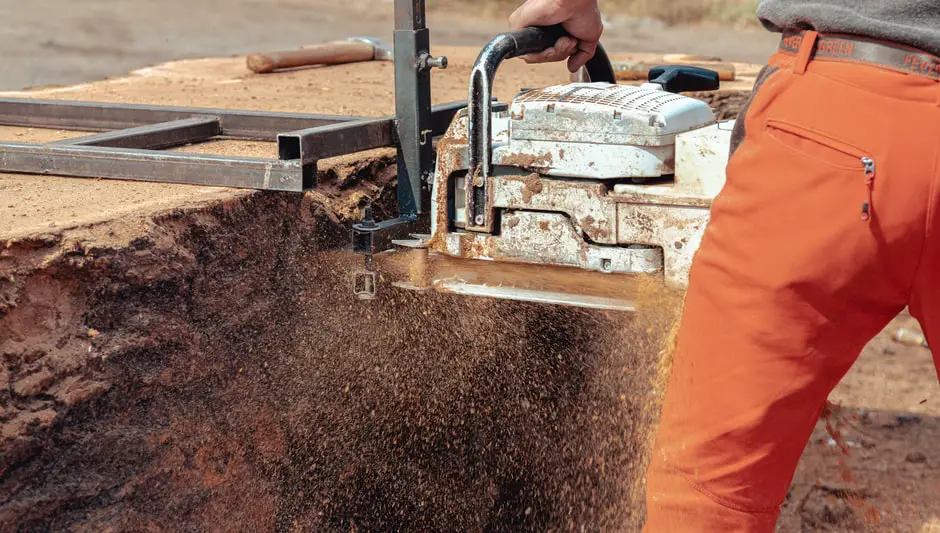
{"x": 872, "y": 465}
{"x": 879, "y": 472}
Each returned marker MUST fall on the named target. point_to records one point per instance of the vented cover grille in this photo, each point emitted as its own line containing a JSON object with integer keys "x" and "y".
{"x": 622, "y": 97}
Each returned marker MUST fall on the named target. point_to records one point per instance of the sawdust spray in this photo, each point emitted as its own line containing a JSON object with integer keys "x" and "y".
{"x": 434, "y": 412}
{"x": 250, "y": 391}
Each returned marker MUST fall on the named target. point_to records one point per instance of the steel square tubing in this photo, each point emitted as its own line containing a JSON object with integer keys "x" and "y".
{"x": 413, "y": 108}
{"x": 155, "y": 136}
{"x": 313, "y": 144}
{"x": 322, "y": 142}
{"x": 86, "y": 157}
{"x": 97, "y": 116}
{"x": 153, "y": 165}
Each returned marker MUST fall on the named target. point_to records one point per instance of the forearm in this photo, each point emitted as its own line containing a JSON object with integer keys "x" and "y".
{"x": 550, "y": 12}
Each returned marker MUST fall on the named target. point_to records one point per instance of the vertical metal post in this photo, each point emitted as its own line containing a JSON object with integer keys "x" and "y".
{"x": 414, "y": 132}
{"x": 413, "y": 107}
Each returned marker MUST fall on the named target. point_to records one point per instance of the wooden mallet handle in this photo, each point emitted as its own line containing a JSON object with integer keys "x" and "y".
{"x": 320, "y": 54}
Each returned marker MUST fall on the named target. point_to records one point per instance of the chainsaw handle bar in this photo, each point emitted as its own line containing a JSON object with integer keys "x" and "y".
{"x": 535, "y": 39}
{"x": 508, "y": 45}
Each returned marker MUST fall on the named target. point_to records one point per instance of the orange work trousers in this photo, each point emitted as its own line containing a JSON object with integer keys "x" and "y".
{"x": 826, "y": 229}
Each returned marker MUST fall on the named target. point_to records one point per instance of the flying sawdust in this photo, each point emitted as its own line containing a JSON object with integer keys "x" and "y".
{"x": 433, "y": 412}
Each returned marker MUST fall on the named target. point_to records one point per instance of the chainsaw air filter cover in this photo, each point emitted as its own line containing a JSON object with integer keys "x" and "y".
{"x": 602, "y": 130}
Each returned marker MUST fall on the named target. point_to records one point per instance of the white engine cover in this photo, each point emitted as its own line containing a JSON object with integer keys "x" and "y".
{"x": 599, "y": 130}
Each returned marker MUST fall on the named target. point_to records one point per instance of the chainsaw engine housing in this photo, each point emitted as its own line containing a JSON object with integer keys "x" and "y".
{"x": 600, "y": 130}
{"x": 594, "y": 182}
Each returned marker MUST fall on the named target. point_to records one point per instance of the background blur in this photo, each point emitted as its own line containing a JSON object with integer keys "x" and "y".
{"x": 55, "y": 42}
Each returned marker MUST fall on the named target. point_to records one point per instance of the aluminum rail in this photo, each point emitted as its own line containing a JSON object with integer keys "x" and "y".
{"x": 98, "y": 116}
{"x": 347, "y": 138}
{"x": 153, "y": 165}
{"x": 155, "y": 136}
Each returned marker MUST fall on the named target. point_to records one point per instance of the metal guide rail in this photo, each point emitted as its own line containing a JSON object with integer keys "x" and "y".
{"x": 131, "y": 139}
{"x": 129, "y": 142}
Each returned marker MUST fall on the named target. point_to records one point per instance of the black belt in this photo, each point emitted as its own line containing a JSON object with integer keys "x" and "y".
{"x": 851, "y": 49}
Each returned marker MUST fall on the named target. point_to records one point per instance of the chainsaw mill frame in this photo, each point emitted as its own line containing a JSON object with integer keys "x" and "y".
{"x": 132, "y": 139}
{"x": 129, "y": 142}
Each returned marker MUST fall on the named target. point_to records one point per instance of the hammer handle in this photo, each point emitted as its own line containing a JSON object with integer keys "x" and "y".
{"x": 320, "y": 54}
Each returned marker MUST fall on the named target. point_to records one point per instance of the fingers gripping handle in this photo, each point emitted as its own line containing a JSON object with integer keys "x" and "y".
{"x": 505, "y": 46}
{"x": 534, "y": 39}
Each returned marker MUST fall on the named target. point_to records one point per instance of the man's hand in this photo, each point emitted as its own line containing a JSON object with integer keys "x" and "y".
{"x": 581, "y": 18}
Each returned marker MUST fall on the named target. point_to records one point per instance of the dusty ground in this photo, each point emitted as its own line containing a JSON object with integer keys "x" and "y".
{"x": 880, "y": 471}
{"x": 118, "y": 332}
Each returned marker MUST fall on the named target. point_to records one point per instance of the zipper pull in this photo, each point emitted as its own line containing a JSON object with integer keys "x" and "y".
{"x": 869, "y": 164}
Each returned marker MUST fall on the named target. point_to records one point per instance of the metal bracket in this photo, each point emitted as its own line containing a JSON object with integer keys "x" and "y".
{"x": 369, "y": 238}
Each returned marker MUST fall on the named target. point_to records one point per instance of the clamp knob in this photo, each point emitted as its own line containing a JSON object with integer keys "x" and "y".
{"x": 426, "y": 62}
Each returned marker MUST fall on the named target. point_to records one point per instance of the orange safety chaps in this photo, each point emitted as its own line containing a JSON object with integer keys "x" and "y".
{"x": 826, "y": 229}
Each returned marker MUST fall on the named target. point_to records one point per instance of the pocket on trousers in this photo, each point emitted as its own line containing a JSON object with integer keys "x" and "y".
{"x": 816, "y": 145}
{"x": 829, "y": 151}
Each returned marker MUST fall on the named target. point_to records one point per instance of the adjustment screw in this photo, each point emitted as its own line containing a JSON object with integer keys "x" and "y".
{"x": 426, "y": 62}
{"x": 367, "y": 220}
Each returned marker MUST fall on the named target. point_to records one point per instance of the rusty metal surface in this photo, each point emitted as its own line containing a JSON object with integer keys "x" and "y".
{"x": 700, "y": 162}
{"x": 579, "y": 225}
{"x": 452, "y": 157}
{"x": 583, "y": 160}
{"x": 676, "y": 230}
{"x": 550, "y": 238}
{"x": 585, "y": 202}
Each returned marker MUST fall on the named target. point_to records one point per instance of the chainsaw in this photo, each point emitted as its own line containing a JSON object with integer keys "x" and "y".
{"x": 572, "y": 193}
